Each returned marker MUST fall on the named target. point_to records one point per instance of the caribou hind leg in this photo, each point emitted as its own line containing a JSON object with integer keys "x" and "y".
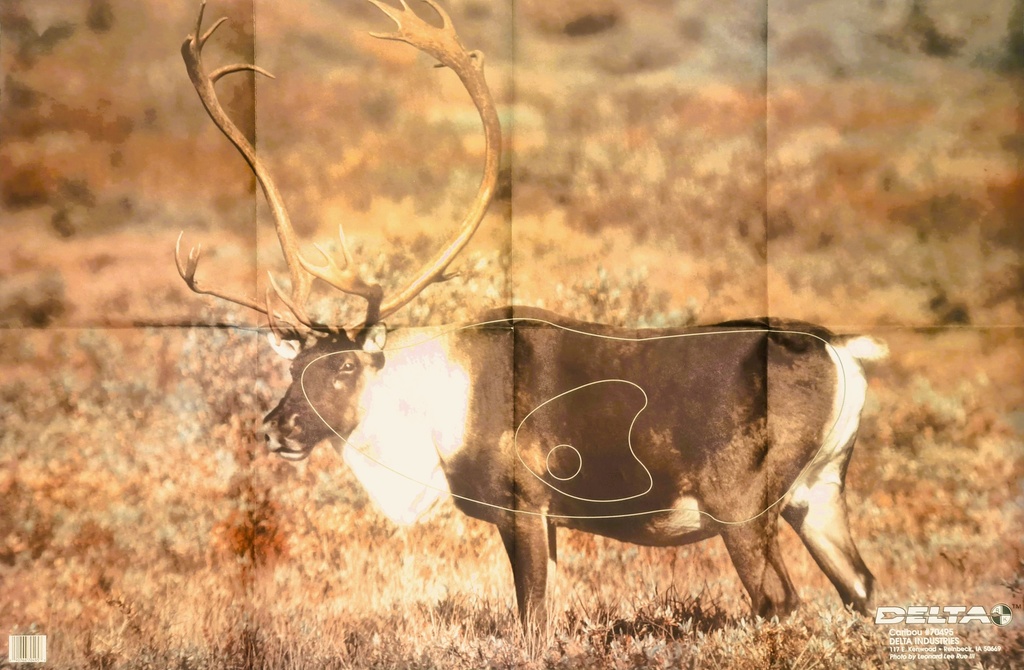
{"x": 754, "y": 549}
{"x": 817, "y": 511}
{"x": 816, "y": 507}
{"x": 823, "y": 525}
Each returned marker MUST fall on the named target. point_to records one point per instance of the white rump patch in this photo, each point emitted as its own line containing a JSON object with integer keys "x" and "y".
{"x": 848, "y": 400}
{"x": 414, "y": 413}
{"x": 822, "y": 473}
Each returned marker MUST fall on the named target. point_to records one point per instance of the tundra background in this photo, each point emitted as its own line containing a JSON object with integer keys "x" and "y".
{"x": 853, "y": 164}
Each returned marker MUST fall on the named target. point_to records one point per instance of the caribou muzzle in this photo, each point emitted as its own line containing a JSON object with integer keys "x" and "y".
{"x": 283, "y": 444}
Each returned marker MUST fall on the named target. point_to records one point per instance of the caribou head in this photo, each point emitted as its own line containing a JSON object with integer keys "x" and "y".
{"x": 334, "y": 367}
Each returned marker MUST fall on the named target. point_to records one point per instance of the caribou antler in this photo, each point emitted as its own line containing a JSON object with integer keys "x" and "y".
{"x": 442, "y": 43}
{"x": 301, "y": 282}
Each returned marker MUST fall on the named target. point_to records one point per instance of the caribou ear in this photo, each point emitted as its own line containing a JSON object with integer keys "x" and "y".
{"x": 287, "y": 349}
{"x": 374, "y": 338}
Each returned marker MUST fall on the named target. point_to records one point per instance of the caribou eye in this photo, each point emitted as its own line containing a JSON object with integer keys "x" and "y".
{"x": 347, "y": 367}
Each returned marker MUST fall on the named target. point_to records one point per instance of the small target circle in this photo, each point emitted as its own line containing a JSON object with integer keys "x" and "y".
{"x": 579, "y": 462}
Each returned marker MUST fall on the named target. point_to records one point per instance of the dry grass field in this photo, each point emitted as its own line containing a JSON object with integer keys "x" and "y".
{"x": 666, "y": 163}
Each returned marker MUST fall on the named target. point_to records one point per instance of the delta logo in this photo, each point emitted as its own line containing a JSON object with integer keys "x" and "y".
{"x": 999, "y": 615}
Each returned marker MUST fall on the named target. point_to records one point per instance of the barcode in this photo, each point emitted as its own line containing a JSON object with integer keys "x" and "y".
{"x": 26, "y": 648}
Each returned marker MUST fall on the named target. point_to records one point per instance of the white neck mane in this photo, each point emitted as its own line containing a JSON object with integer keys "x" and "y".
{"x": 414, "y": 413}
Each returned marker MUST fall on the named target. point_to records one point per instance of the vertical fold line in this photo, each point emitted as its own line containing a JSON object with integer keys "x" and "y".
{"x": 513, "y": 51}
{"x": 255, "y": 144}
{"x": 250, "y": 583}
{"x": 764, "y": 172}
{"x": 257, "y": 357}
{"x": 766, "y": 349}
{"x": 513, "y": 59}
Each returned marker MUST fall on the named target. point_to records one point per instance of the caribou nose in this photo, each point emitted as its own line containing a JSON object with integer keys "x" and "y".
{"x": 280, "y": 435}
{"x": 270, "y": 436}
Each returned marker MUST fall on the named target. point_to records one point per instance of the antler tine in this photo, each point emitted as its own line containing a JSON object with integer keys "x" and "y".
{"x": 301, "y": 281}
{"x": 209, "y": 33}
{"x": 346, "y": 278}
{"x": 443, "y": 43}
{"x": 289, "y": 302}
{"x": 238, "y": 67}
{"x": 275, "y": 323}
{"x": 187, "y": 270}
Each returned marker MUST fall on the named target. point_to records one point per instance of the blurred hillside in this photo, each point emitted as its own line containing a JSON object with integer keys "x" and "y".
{"x": 851, "y": 163}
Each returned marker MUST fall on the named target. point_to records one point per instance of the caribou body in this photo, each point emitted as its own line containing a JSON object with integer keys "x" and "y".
{"x": 532, "y": 421}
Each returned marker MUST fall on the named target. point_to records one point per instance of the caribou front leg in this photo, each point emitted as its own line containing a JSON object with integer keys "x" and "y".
{"x": 529, "y": 541}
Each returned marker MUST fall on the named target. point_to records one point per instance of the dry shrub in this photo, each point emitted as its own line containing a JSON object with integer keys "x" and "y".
{"x": 668, "y": 616}
{"x": 33, "y": 299}
{"x": 608, "y": 167}
{"x": 472, "y": 617}
{"x": 24, "y": 528}
{"x": 614, "y": 300}
{"x": 92, "y": 538}
{"x": 929, "y": 415}
{"x": 252, "y": 532}
{"x": 244, "y": 648}
{"x": 571, "y": 17}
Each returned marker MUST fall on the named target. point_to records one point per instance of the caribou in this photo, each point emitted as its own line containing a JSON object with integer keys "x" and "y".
{"x": 532, "y": 421}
